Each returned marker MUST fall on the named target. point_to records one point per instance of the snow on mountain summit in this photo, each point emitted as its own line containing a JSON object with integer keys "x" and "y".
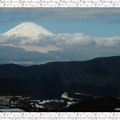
{"x": 30, "y": 37}
{"x": 28, "y": 30}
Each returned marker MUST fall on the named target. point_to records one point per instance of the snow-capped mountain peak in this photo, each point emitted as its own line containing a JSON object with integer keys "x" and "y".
{"x": 28, "y": 30}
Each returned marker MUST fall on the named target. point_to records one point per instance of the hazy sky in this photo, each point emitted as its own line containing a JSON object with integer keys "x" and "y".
{"x": 91, "y": 21}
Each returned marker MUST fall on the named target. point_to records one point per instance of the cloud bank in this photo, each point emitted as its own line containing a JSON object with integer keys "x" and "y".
{"x": 59, "y": 42}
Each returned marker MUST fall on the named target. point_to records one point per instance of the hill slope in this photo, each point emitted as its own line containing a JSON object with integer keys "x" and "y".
{"x": 99, "y": 76}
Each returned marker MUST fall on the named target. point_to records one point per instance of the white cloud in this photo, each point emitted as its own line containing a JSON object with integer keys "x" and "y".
{"x": 74, "y": 39}
{"x": 113, "y": 41}
{"x": 69, "y": 44}
{"x": 41, "y": 49}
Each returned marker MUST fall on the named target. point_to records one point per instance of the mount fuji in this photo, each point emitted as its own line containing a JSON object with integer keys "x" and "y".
{"x": 27, "y": 43}
{"x": 28, "y": 30}
{"x": 28, "y": 36}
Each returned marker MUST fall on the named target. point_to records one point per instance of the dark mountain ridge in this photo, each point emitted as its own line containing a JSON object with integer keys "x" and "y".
{"x": 100, "y": 76}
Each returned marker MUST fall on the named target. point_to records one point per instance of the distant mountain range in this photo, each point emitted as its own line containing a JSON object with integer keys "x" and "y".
{"x": 100, "y": 77}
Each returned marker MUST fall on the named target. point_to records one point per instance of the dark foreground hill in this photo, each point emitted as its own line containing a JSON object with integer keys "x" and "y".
{"x": 100, "y": 76}
{"x": 102, "y": 104}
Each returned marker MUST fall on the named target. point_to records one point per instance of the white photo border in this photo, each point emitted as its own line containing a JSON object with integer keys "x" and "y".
{"x": 53, "y": 4}
{"x": 59, "y": 3}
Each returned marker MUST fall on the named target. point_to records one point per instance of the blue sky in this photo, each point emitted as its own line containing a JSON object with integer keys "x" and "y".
{"x": 91, "y": 21}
